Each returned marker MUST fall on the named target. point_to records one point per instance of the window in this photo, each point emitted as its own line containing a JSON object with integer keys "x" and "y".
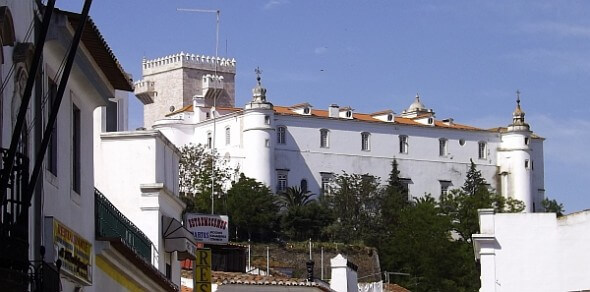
{"x": 326, "y": 182}
{"x": 526, "y": 163}
{"x": 281, "y": 181}
{"x": 111, "y": 116}
{"x": 526, "y": 140}
{"x": 483, "y": 149}
{"x": 444, "y": 187}
{"x": 267, "y": 143}
{"x": 76, "y": 131}
{"x": 303, "y": 185}
{"x": 349, "y": 114}
{"x": 462, "y": 142}
{"x": 430, "y": 121}
{"x": 52, "y": 147}
{"x": 403, "y": 144}
{"x": 324, "y": 138}
{"x": 267, "y": 120}
{"x": 209, "y": 140}
{"x": 406, "y": 185}
{"x": 306, "y": 111}
{"x": 365, "y": 143}
{"x": 442, "y": 147}
{"x": 281, "y": 132}
{"x": 389, "y": 117}
{"x": 227, "y": 136}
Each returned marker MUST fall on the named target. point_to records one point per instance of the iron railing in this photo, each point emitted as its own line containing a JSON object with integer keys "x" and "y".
{"x": 14, "y": 226}
{"x": 112, "y": 224}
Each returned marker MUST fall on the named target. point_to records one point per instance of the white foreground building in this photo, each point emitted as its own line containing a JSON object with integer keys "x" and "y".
{"x": 299, "y": 145}
{"x": 533, "y": 252}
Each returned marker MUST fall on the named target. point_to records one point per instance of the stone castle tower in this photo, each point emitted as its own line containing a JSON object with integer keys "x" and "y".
{"x": 171, "y": 82}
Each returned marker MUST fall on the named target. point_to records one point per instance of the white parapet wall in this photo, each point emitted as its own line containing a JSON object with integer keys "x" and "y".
{"x": 533, "y": 251}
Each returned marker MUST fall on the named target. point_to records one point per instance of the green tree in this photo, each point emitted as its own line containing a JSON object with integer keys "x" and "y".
{"x": 553, "y": 206}
{"x": 307, "y": 221}
{"x": 252, "y": 209}
{"x": 355, "y": 203}
{"x": 395, "y": 197}
{"x": 474, "y": 183}
{"x": 421, "y": 245}
{"x": 462, "y": 205}
{"x": 195, "y": 170}
{"x": 295, "y": 197}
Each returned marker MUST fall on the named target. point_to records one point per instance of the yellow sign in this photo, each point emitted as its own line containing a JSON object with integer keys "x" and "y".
{"x": 73, "y": 251}
{"x": 203, "y": 271}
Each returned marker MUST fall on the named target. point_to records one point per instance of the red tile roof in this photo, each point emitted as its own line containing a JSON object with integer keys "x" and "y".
{"x": 283, "y": 110}
{"x": 394, "y": 288}
{"x": 233, "y": 278}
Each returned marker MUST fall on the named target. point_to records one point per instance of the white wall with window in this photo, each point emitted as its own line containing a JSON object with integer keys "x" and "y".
{"x": 365, "y": 141}
{"x": 442, "y": 147}
{"x": 281, "y": 134}
{"x": 403, "y": 144}
{"x": 439, "y": 149}
{"x": 324, "y": 138}
{"x": 282, "y": 180}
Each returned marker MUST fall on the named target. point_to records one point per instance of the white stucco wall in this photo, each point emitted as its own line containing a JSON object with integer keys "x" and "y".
{"x": 138, "y": 172}
{"x": 534, "y": 252}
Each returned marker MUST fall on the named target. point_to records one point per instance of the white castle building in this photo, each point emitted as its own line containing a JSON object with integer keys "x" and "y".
{"x": 190, "y": 99}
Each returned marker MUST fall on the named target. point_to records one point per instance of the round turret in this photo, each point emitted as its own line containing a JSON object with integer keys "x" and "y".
{"x": 258, "y": 133}
{"x": 515, "y": 159}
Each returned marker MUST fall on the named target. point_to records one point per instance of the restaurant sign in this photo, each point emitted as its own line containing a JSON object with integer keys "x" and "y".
{"x": 73, "y": 250}
{"x": 210, "y": 229}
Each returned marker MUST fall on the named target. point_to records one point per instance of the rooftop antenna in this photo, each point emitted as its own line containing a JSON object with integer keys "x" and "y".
{"x": 214, "y": 109}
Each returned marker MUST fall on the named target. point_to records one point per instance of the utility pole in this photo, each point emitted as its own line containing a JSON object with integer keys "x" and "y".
{"x": 214, "y": 109}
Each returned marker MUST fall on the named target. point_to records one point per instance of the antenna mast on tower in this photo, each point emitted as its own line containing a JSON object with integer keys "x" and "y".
{"x": 214, "y": 109}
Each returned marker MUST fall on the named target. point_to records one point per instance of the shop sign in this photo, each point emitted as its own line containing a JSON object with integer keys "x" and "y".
{"x": 210, "y": 229}
{"x": 73, "y": 250}
{"x": 203, "y": 270}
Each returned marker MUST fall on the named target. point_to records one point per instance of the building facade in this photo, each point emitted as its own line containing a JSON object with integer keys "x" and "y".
{"x": 533, "y": 252}
{"x": 300, "y": 145}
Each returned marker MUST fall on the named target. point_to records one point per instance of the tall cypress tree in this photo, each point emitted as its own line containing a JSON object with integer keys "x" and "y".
{"x": 395, "y": 197}
{"x": 474, "y": 181}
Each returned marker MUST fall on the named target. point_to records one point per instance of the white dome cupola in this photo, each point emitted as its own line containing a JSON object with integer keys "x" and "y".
{"x": 417, "y": 110}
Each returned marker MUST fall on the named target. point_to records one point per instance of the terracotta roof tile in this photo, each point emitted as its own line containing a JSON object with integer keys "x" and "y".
{"x": 284, "y": 110}
{"x": 233, "y": 278}
{"x": 394, "y": 288}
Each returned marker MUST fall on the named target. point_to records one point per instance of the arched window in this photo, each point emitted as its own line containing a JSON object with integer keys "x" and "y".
{"x": 209, "y": 140}
{"x": 303, "y": 185}
{"x": 365, "y": 143}
{"x": 227, "y": 135}
{"x": 324, "y": 138}
{"x": 281, "y": 133}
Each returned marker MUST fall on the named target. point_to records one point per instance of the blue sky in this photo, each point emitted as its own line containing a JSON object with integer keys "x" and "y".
{"x": 465, "y": 58}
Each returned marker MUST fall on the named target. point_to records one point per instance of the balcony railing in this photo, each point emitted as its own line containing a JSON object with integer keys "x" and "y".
{"x": 112, "y": 224}
{"x": 14, "y": 226}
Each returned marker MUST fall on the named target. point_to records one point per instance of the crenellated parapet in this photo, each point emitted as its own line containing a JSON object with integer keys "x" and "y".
{"x": 186, "y": 60}
{"x": 145, "y": 91}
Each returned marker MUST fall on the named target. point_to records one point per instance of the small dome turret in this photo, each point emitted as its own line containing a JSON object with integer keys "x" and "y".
{"x": 417, "y": 105}
{"x": 518, "y": 116}
{"x": 258, "y": 92}
{"x": 417, "y": 110}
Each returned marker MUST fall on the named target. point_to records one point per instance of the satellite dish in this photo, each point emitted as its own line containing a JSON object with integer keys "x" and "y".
{"x": 171, "y": 108}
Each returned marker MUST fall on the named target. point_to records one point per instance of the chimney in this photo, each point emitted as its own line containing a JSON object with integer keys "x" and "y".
{"x": 334, "y": 111}
{"x": 344, "y": 275}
